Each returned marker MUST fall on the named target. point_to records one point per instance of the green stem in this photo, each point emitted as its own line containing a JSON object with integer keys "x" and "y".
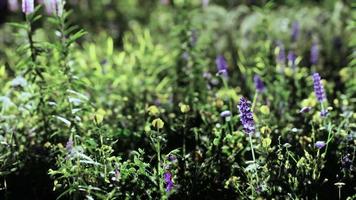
{"x": 254, "y": 101}
{"x": 253, "y": 157}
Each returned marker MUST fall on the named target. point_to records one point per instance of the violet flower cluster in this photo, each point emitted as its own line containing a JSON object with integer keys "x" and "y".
{"x": 318, "y": 88}
{"x": 314, "y": 53}
{"x": 260, "y": 87}
{"x": 221, "y": 65}
{"x": 246, "y": 116}
{"x": 28, "y": 6}
{"x": 291, "y": 59}
{"x": 295, "y": 31}
{"x": 168, "y": 180}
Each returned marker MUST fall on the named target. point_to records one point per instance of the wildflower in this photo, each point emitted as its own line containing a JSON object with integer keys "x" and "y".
{"x": 295, "y": 31}
{"x": 260, "y": 87}
{"x": 19, "y": 82}
{"x": 153, "y": 111}
{"x": 314, "y": 54}
{"x": 13, "y": 5}
{"x": 168, "y": 179}
{"x": 205, "y": 3}
{"x": 318, "y": 88}
{"x": 207, "y": 75}
{"x": 324, "y": 113}
{"x": 221, "y": 65}
{"x": 319, "y": 144}
{"x": 184, "y": 108}
{"x": 69, "y": 145}
{"x": 157, "y": 123}
{"x": 55, "y": 7}
{"x": 28, "y": 6}
{"x": 281, "y": 55}
{"x": 291, "y": 59}
{"x": 225, "y": 114}
{"x": 246, "y": 116}
{"x": 172, "y": 158}
{"x": 305, "y": 109}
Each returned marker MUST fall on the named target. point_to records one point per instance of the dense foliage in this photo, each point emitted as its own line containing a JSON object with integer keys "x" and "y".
{"x": 177, "y": 99}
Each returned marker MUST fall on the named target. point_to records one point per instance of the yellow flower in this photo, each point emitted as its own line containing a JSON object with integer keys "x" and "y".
{"x": 153, "y": 111}
{"x": 264, "y": 109}
{"x": 157, "y": 123}
{"x": 184, "y": 108}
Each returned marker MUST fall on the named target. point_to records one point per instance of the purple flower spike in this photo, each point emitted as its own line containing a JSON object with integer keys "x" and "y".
{"x": 319, "y": 144}
{"x": 260, "y": 87}
{"x": 314, "y": 54}
{"x": 305, "y": 110}
{"x": 69, "y": 145}
{"x": 13, "y": 5}
{"x": 324, "y": 113}
{"x": 291, "y": 59}
{"x": 246, "y": 116}
{"x": 281, "y": 57}
{"x": 28, "y": 6}
{"x": 225, "y": 113}
{"x": 318, "y": 88}
{"x": 295, "y": 31}
{"x": 168, "y": 179}
{"x": 221, "y": 65}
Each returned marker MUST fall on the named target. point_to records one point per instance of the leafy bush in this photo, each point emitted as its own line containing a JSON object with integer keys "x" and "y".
{"x": 177, "y": 100}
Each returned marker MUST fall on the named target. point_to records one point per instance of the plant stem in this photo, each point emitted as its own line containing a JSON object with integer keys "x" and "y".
{"x": 254, "y": 101}
{"x": 253, "y": 157}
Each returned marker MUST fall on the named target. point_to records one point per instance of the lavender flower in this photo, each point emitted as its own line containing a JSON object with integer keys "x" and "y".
{"x": 221, "y": 65}
{"x": 291, "y": 59}
{"x": 54, "y": 7}
{"x": 281, "y": 57}
{"x": 305, "y": 109}
{"x": 246, "y": 116}
{"x": 295, "y": 31}
{"x": 314, "y": 54}
{"x": 69, "y": 145}
{"x": 225, "y": 114}
{"x": 28, "y": 6}
{"x": 318, "y": 88}
{"x": 324, "y": 113}
{"x": 260, "y": 87}
{"x": 319, "y": 144}
{"x": 13, "y": 5}
{"x": 168, "y": 179}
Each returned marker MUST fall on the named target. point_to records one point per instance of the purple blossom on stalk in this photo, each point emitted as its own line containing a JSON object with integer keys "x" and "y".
{"x": 260, "y": 87}
{"x": 13, "y": 5}
{"x": 295, "y": 31}
{"x": 318, "y": 88}
{"x": 314, "y": 53}
{"x": 225, "y": 114}
{"x": 246, "y": 116}
{"x": 54, "y": 7}
{"x": 281, "y": 56}
{"x": 221, "y": 65}
{"x": 168, "y": 180}
{"x": 305, "y": 109}
{"x": 28, "y": 6}
{"x": 319, "y": 144}
{"x": 69, "y": 145}
{"x": 291, "y": 59}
